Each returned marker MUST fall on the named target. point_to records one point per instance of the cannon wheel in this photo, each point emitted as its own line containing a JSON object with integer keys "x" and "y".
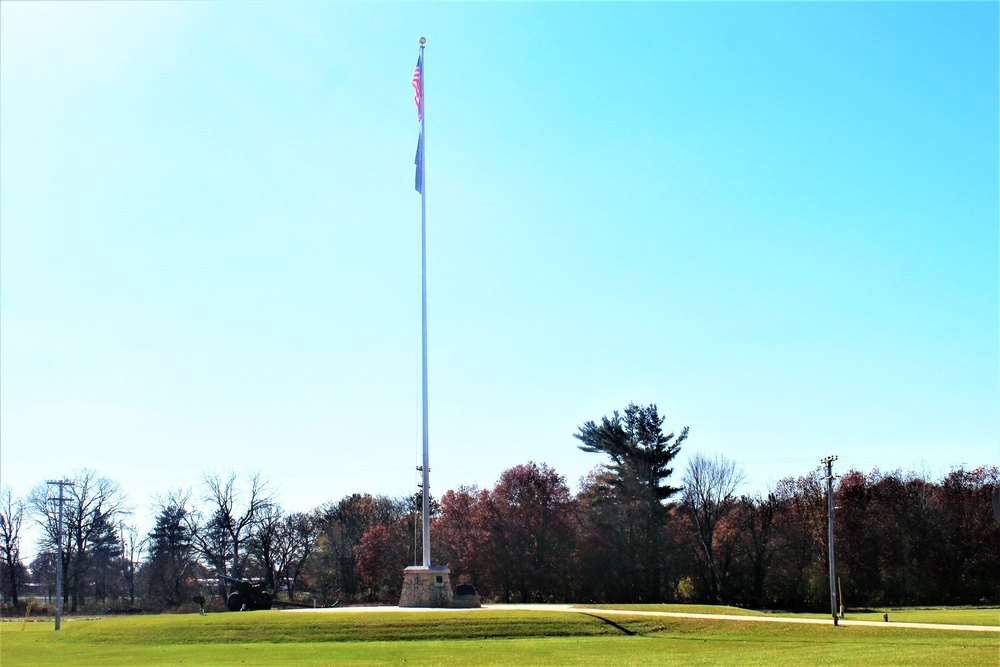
{"x": 235, "y": 601}
{"x": 264, "y": 601}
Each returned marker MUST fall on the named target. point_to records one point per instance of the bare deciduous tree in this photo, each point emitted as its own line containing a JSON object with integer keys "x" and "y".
{"x": 11, "y": 518}
{"x": 93, "y": 506}
{"x": 265, "y": 544}
{"x": 222, "y": 533}
{"x": 280, "y": 546}
{"x": 709, "y": 495}
{"x": 294, "y": 549}
{"x": 131, "y": 548}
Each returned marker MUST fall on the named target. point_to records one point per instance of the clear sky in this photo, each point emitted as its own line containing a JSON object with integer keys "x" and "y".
{"x": 778, "y": 222}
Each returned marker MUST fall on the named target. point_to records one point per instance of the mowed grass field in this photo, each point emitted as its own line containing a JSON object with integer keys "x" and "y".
{"x": 947, "y": 615}
{"x": 478, "y": 637}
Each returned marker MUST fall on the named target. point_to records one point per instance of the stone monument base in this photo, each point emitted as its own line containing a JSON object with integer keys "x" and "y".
{"x": 426, "y": 586}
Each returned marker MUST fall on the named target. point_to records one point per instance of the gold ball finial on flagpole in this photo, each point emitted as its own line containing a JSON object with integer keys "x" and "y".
{"x": 422, "y": 41}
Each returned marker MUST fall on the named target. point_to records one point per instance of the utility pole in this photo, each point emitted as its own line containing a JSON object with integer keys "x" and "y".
{"x": 62, "y": 483}
{"x": 829, "y": 501}
{"x": 121, "y": 533}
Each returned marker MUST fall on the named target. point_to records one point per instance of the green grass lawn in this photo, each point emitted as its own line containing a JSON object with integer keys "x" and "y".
{"x": 989, "y": 616}
{"x": 949, "y": 615}
{"x": 476, "y": 638}
{"x": 681, "y": 608}
{"x": 946, "y": 615}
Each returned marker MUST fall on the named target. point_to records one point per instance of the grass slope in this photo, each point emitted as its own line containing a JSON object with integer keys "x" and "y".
{"x": 476, "y": 638}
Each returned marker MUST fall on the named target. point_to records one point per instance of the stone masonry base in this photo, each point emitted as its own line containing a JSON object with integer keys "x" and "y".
{"x": 426, "y": 586}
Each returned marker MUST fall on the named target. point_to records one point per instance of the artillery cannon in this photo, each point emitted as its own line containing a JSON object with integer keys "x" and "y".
{"x": 246, "y": 595}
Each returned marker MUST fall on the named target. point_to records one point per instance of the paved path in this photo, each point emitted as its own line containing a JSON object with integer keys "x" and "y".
{"x": 671, "y": 614}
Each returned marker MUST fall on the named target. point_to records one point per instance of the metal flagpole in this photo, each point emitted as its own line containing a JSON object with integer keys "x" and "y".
{"x": 423, "y": 313}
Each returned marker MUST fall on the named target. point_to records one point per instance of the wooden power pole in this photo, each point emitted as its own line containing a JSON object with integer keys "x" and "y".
{"x": 829, "y": 502}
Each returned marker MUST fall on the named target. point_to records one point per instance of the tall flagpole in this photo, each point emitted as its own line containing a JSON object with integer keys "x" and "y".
{"x": 427, "y": 585}
{"x": 423, "y": 313}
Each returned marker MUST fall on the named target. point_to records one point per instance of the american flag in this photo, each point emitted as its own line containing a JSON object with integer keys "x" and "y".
{"x": 416, "y": 86}
{"x": 419, "y": 162}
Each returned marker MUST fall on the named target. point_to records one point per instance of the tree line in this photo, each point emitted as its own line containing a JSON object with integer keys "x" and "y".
{"x": 634, "y": 532}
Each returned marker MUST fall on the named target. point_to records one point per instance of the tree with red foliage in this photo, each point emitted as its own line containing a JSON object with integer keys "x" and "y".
{"x": 904, "y": 540}
{"x": 381, "y": 556}
{"x": 513, "y": 542}
{"x": 755, "y": 517}
{"x": 970, "y": 561}
{"x": 799, "y": 544}
{"x": 527, "y": 518}
{"x": 460, "y": 539}
{"x": 607, "y": 564}
{"x": 340, "y": 527}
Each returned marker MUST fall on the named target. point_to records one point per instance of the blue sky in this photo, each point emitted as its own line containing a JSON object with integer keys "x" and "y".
{"x": 778, "y": 222}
